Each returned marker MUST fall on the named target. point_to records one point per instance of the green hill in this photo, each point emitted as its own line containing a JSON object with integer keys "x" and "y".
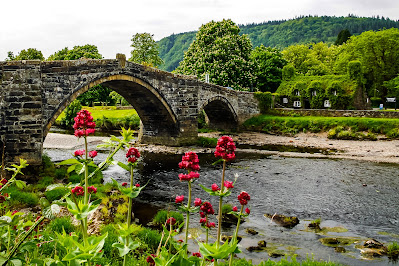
{"x": 280, "y": 34}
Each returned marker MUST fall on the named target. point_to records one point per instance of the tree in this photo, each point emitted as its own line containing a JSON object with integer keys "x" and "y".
{"x": 342, "y": 37}
{"x": 145, "y": 50}
{"x": 97, "y": 93}
{"x": 85, "y": 51}
{"x": 29, "y": 54}
{"x": 268, "y": 65}
{"x": 220, "y": 51}
{"x": 378, "y": 53}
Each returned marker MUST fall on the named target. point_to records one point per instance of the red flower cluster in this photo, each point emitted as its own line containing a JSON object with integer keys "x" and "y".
{"x": 204, "y": 221}
{"x": 179, "y": 199}
{"x": 2, "y": 199}
{"x": 132, "y": 155}
{"x": 92, "y": 154}
{"x": 207, "y": 208}
{"x": 79, "y": 153}
{"x": 197, "y": 254}
{"x": 235, "y": 209}
{"x": 228, "y": 184}
{"x": 189, "y": 176}
{"x": 124, "y": 184}
{"x": 197, "y": 202}
{"x": 150, "y": 259}
{"x": 78, "y": 191}
{"x": 92, "y": 189}
{"x": 247, "y": 211}
{"x": 171, "y": 221}
{"x": 225, "y": 148}
{"x": 190, "y": 161}
{"x": 3, "y": 181}
{"x": 215, "y": 187}
{"x": 243, "y": 198}
{"x": 84, "y": 124}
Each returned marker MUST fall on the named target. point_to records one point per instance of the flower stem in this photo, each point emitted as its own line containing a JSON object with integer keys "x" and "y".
{"x": 236, "y": 234}
{"x": 188, "y": 211}
{"x": 220, "y": 207}
{"x": 129, "y": 212}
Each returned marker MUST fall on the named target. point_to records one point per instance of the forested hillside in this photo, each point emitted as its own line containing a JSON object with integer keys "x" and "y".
{"x": 280, "y": 34}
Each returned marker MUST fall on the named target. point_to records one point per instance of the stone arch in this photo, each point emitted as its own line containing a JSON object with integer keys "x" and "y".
{"x": 220, "y": 114}
{"x": 158, "y": 119}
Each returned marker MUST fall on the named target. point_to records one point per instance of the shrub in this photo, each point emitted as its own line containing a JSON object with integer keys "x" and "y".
{"x": 55, "y": 194}
{"x": 61, "y": 173}
{"x": 226, "y": 208}
{"x": 265, "y": 100}
{"x": 162, "y": 215}
{"x": 23, "y": 198}
{"x": 70, "y": 113}
{"x": 150, "y": 237}
{"x": 60, "y": 224}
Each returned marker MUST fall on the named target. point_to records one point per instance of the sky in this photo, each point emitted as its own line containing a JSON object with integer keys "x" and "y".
{"x": 51, "y": 25}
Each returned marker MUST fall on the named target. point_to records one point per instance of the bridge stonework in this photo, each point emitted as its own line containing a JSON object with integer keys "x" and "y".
{"x": 34, "y": 93}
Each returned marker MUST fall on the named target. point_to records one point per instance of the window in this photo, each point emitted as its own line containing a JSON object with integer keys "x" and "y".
{"x": 314, "y": 93}
{"x": 327, "y": 104}
{"x": 296, "y": 92}
{"x": 285, "y": 100}
{"x": 297, "y": 103}
{"x": 335, "y": 93}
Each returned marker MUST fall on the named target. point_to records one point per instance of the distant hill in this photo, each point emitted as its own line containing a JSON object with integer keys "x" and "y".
{"x": 280, "y": 34}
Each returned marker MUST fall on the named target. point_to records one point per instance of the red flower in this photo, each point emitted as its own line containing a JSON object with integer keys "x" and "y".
{"x": 137, "y": 185}
{"x": 228, "y": 184}
{"x": 197, "y": 254}
{"x": 179, "y": 199}
{"x": 3, "y": 181}
{"x": 92, "y": 154}
{"x": 2, "y": 199}
{"x": 190, "y": 161}
{"x": 197, "y": 202}
{"x": 247, "y": 211}
{"x": 171, "y": 221}
{"x": 202, "y": 214}
{"x": 124, "y": 184}
{"x": 215, "y": 187}
{"x": 79, "y": 153}
{"x": 92, "y": 189}
{"x": 14, "y": 212}
{"x": 207, "y": 208}
{"x": 78, "y": 191}
{"x": 150, "y": 259}
{"x": 210, "y": 225}
{"x": 84, "y": 124}
{"x": 202, "y": 221}
{"x": 132, "y": 155}
{"x": 180, "y": 241}
{"x": 189, "y": 176}
{"x": 225, "y": 148}
{"x": 235, "y": 209}
{"x": 243, "y": 198}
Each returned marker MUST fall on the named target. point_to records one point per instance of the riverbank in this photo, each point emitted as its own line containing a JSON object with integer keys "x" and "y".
{"x": 318, "y": 146}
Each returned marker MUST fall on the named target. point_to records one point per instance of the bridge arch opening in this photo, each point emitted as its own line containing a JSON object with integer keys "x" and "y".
{"x": 219, "y": 114}
{"x": 157, "y": 117}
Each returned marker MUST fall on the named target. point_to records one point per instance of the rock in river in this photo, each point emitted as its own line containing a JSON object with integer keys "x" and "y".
{"x": 282, "y": 220}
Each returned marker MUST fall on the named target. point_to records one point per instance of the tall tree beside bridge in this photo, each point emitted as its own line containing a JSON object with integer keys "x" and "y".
{"x": 78, "y": 51}
{"x": 28, "y": 54}
{"x": 220, "y": 51}
{"x": 145, "y": 50}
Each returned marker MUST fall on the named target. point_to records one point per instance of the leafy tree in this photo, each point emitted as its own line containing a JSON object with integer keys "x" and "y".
{"x": 392, "y": 87}
{"x": 85, "y": 51}
{"x": 268, "y": 65}
{"x": 29, "y": 54}
{"x": 70, "y": 113}
{"x": 220, "y": 51}
{"x": 145, "y": 50}
{"x": 97, "y": 93}
{"x": 378, "y": 53}
{"x": 118, "y": 99}
{"x": 342, "y": 37}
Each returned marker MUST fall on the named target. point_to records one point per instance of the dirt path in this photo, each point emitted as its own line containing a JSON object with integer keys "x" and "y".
{"x": 383, "y": 151}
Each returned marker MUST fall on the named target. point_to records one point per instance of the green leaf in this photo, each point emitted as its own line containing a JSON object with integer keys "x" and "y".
{"x": 54, "y": 186}
{"x": 44, "y": 203}
{"x": 20, "y": 184}
{"x": 124, "y": 166}
{"x": 69, "y": 161}
{"x": 71, "y": 168}
{"x": 211, "y": 251}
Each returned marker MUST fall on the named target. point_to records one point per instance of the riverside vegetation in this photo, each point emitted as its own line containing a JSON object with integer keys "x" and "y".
{"x": 44, "y": 235}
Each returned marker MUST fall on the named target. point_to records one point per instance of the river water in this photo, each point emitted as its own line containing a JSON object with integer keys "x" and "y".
{"x": 361, "y": 197}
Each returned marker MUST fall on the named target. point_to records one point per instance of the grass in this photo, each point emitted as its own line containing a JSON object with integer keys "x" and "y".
{"x": 315, "y": 124}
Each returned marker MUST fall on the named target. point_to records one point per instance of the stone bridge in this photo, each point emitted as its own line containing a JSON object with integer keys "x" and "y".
{"x": 34, "y": 93}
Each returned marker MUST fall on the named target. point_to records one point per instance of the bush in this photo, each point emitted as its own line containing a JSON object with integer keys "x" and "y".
{"x": 226, "y": 208}
{"x": 62, "y": 223}
{"x": 61, "y": 173}
{"x": 207, "y": 142}
{"x": 393, "y": 250}
{"x": 150, "y": 237}
{"x": 162, "y": 215}
{"x": 19, "y": 197}
{"x": 70, "y": 114}
{"x": 55, "y": 194}
{"x": 265, "y": 100}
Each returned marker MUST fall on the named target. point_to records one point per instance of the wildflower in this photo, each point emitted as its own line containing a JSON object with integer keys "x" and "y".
{"x": 190, "y": 161}
{"x": 92, "y": 189}
{"x": 202, "y": 214}
{"x": 124, "y": 184}
{"x": 2, "y": 199}
{"x": 225, "y": 148}
{"x": 79, "y": 153}
{"x": 197, "y": 254}
{"x": 171, "y": 221}
{"x": 189, "y": 176}
{"x": 235, "y": 209}
{"x": 197, "y": 202}
{"x": 202, "y": 221}
{"x": 179, "y": 199}
{"x": 92, "y": 154}
{"x": 243, "y": 198}
{"x": 78, "y": 191}
{"x": 207, "y": 208}
{"x": 3, "y": 181}
{"x": 210, "y": 225}
{"x": 132, "y": 154}
{"x": 215, "y": 187}
{"x": 137, "y": 185}
{"x": 228, "y": 184}
{"x": 247, "y": 211}
{"x": 150, "y": 259}
{"x": 84, "y": 124}
{"x": 14, "y": 212}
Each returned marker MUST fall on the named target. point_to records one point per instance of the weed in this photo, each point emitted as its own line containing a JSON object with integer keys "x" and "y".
{"x": 60, "y": 224}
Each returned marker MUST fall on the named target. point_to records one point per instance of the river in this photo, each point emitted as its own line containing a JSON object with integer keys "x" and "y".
{"x": 359, "y": 196}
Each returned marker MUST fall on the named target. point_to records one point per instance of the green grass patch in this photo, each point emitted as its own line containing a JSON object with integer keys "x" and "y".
{"x": 356, "y": 127}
